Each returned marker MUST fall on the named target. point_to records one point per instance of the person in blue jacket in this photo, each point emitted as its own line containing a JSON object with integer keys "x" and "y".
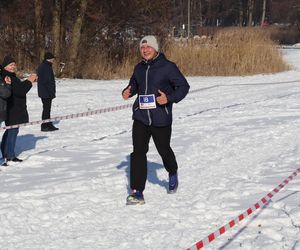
{"x": 46, "y": 89}
{"x": 158, "y": 83}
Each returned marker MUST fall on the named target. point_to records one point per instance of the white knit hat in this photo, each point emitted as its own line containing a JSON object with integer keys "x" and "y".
{"x": 150, "y": 41}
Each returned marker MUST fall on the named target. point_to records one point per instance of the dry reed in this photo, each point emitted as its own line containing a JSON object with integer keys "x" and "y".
{"x": 105, "y": 66}
{"x": 230, "y": 52}
{"x": 234, "y": 51}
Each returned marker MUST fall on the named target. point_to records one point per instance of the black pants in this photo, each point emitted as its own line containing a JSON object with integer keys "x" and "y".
{"x": 141, "y": 135}
{"x": 47, "y": 102}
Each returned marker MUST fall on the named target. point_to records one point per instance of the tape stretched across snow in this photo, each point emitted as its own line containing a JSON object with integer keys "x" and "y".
{"x": 211, "y": 237}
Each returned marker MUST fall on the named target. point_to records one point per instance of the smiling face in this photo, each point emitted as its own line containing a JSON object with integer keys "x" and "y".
{"x": 147, "y": 52}
{"x": 12, "y": 67}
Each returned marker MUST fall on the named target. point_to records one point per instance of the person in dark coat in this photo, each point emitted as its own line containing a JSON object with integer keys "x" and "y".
{"x": 5, "y": 92}
{"x": 16, "y": 108}
{"x": 158, "y": 83}
{"x": 46, "y": 89}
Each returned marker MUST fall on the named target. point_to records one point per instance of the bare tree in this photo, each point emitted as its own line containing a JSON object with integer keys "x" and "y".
{"x": 108, "y": 26}
{"x": 39, "y": 31}
{"x": 201, "y": 13}
{"x": 57, "y": 30}
{"x": 241, "y": 13}
{"x": 263, "y": 15}
{"x": 250, "y": 12}
{"x": 75, "y": 39}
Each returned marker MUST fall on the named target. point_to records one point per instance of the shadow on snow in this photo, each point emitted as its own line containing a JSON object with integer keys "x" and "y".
{"x": 151, "y": 173}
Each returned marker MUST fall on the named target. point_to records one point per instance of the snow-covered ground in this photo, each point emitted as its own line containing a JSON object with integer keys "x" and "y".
{"x": 235, "y": 138}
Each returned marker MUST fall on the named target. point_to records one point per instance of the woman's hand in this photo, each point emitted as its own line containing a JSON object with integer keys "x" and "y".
{"x": 7, "y": 80}
{"x": 32, "y": 78}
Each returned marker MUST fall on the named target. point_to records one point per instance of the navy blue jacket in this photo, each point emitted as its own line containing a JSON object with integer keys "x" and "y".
{"x": 149, "y": 77}
{"x": 46, "y": 80}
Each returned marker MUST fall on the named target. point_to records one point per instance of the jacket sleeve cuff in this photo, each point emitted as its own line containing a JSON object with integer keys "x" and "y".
{"x": 170, "y": 99}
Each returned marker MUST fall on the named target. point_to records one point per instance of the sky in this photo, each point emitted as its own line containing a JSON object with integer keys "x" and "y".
{"x": 235, "y": 139}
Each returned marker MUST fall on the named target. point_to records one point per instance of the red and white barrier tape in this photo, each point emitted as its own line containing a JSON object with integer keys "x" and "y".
{"x": 88, "y": 113}
{"x": 232, "y": 223}
{"x": 72, "y": 116}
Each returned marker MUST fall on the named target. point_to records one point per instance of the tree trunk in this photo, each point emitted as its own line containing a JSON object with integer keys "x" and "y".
{"x": 56, "y": 33}
{"x": 182, "y": 23}
{"x": 263, "y": 15}
{"x": 38, "y": 33}
{"x": 200, "y": 13}
{"x": 189, "y": 19}
{"x": 209, "y": 13}
{"x": 75, "y": 39}
{"x": 250, "y": 12}
{"x": 241, "y": 13}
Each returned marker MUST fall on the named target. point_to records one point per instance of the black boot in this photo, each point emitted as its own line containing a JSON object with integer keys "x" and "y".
{"x": 14, "y": 159}
{"x": 45, "y": 127}
{"x": 48, "y": 126}
{"x": 52, "y": 127}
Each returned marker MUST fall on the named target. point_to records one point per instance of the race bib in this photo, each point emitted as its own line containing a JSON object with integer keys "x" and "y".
{"x": 147, "y": 101}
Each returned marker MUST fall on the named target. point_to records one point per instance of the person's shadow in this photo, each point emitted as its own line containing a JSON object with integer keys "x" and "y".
{"x": 27, "y": 142}
{"x": 24, "y": 143}
{"x": 151, "y": 175}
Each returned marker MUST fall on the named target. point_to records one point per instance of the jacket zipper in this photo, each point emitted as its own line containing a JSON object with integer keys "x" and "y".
{"x": 146, "y": 90}
{"x": 167, "y": 111}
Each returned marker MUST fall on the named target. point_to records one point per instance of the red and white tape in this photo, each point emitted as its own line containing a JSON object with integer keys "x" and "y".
{"x": 202, "y": 243}
{"x": 72, "y": 116}
{"x": 88, "y": 113}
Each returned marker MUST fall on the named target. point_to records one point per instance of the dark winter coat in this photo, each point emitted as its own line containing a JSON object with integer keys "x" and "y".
{"x": 5, "y": 91}
{"x": 149, "y": 77}
{"x": 46, "y": 80}
{"x": 16, "y": 103}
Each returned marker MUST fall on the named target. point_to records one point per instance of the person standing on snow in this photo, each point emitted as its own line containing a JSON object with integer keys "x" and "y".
{"x": 16, "y": 108}
{"x": 158, "y": 84}
{"x": 5, "y": 92}
{"x": 46, "y": 89}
